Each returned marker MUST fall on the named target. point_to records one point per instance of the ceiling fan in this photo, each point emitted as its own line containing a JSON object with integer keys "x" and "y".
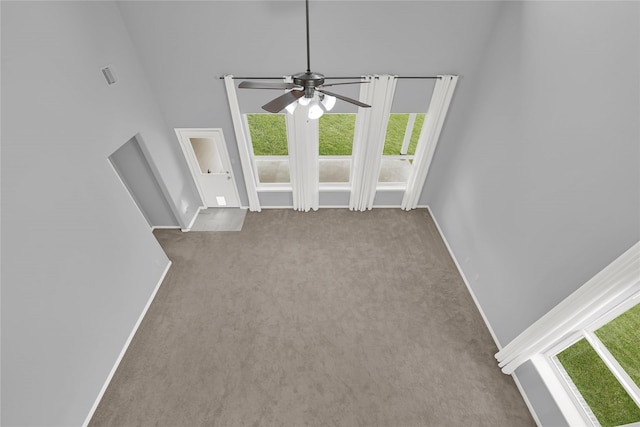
{"x": 303, "y": 89}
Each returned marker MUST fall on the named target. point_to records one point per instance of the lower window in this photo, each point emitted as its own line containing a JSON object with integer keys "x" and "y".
{"x": 268, "y": 135}
{"x": 401, "y": 140}
{"x": 335, "y": 145}
{"x": 601, "y": 367}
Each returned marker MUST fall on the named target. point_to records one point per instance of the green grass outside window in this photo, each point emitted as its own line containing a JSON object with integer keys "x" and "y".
{"x": 607, "y": 399}
{"x": 395, "y": 134}
{"x": 622, "y": 338}
{"x": 269, "y": 134}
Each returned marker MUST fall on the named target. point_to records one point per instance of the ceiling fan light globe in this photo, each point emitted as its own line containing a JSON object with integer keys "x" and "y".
{"x": 304, "y": 101}
{"x": 315, "y": 110}
{"x": 329, "y": 102}
{"x": 291, "y": 107}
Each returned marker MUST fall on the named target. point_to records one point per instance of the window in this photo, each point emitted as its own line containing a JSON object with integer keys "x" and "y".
{"x": 600, "y": 367}
{"x": 566, "y": 363}
{"x": 268, "y": 134}
{"x": 269, "y": 142}
{"x": 335, "y": 141}
{"x": 401, "y": 140}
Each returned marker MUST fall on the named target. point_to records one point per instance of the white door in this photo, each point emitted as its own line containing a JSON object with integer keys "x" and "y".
{"x": 208, "y": 159}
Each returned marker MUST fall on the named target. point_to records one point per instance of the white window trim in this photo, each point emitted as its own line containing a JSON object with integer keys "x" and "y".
{"x": 264, "y": 186}
{"x": 391, "y": 186}
{"x": 269, "y": 186}
{"x": 399, "y": 156}
{"x": 408, "y": 132}
{"x": 605, "y": 290}
{"x": 362, "y": 182}
{"x": 609, "y": 293}
{"x": 564, "y": 387}
{"x": 325, "y": 186}
{"x": 618, "y": 371}
{"x": 567, "y": 402}
{"x": 550, "y": 368}
{"x": 249, "y": 144}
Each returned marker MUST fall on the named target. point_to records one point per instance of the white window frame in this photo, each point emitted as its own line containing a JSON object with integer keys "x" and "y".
{"x": 588, "y": 305}
{"x": 408, "y": 131}
{"x": 263, "y": 186}
{"x": 567, "y": 388}
{"x": 336, "y": 186}
{"x": 345, "y": 185}
{"x": 364, "y": 188}
{"x": 286, "y": 186}
{"x": 329, "y": 186}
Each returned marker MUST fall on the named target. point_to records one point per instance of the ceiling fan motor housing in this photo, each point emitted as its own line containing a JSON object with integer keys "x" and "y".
{"x": 310, "y": 81}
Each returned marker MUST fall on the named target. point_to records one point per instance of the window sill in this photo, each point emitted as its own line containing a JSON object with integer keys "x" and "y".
{"x": 270, "y": 188}
{"x": 391, "y": 186}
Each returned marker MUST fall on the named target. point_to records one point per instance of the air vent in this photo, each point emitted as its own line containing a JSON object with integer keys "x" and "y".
{"x": 109, "y": 74}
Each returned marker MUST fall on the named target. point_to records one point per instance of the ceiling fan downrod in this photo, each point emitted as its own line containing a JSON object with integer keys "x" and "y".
{"x": 308, "y": 49}
{"x": 309, "y": 81}
{"x": 304, "y": 85}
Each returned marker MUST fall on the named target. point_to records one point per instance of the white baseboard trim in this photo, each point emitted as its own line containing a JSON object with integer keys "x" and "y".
{"x": 466, "y": 281}
{"x": 276, "y": 207}
{"x": 125, "y": 347}
{"x": 193, "y": 220}
{"x": 164, "y": 227}
{"x": 484, "y": 317}
{"x": 342, "y": 207}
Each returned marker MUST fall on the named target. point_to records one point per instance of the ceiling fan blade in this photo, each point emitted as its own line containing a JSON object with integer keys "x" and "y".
{"x": 265, "y": 85}
{"x": 346, "y": 83}
{"x": 344, "y": 98}
{"x": 280, "y": 102}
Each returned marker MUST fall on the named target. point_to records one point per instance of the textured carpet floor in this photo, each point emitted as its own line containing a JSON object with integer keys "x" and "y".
{"x": 328, "y": 318}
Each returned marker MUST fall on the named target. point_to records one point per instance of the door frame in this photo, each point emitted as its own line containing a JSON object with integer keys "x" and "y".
{"x": 184, "y": 134}
{"x": 155, "y": 174}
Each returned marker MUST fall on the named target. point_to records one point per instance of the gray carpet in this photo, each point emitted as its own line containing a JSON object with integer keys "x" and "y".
{"x": 328, "y": 318}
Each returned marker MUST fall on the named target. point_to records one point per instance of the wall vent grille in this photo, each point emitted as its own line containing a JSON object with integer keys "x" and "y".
{"x": 109, "y": 75}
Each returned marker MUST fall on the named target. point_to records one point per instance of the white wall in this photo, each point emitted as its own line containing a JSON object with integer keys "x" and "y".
{"x": 536, "y": 179}
{"x": 78, "y": 260}
{"x": 538, "y": 182}
{"x": 137, "y": 175}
